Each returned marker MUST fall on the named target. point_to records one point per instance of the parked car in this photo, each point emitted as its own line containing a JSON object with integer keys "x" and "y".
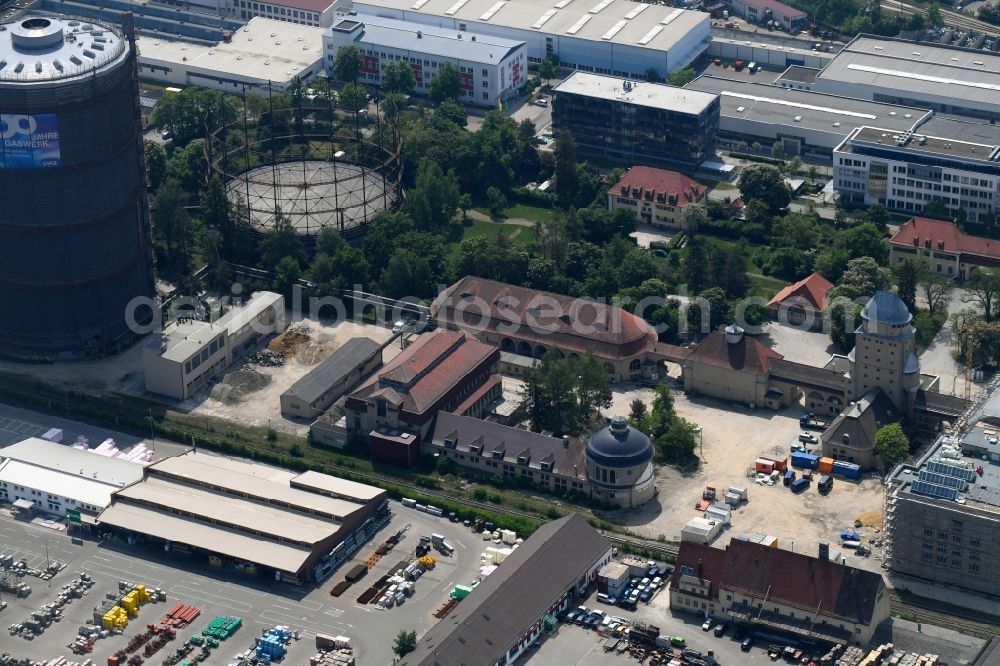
{"x": 708, "y": 624}
{"x": 606, "y": 598}
{"x": 646, "y": 595}
{"x": 628, "y": 604}
{"x": 747, "y": 644}
{"x": 720, "y": 629}
{"x": 808, "y": 438}
{"x": 677, "y": 642}
{"x": 656, "y": 583}
{"x": 542, "y": 101}
{"x": 570, "y": 616}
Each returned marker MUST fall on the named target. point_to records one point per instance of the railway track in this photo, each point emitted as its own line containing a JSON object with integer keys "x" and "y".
{"x": 963, "y": 623}
{"x": 951, "y": 17}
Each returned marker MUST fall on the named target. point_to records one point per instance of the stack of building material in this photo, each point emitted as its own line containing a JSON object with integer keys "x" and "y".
{"x": 273, "y": 644}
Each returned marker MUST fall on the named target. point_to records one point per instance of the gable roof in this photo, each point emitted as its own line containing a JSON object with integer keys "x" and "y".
{"x": 334, "y": 369}
{"x": 704, "y": 561}
{"x": 916, "y": 231}
{"x": 861, "y": 420}
{"x": 500, "y": 609}
{"x": 543, "y": 318}
{"x": 423, "y": 373}
{"x": 807, "y": 292}
{"x": 465, "y": 430}
{"x": 802, "y": 581}
{"x": 747, "y": 355}
{"x": 670, "y": 184}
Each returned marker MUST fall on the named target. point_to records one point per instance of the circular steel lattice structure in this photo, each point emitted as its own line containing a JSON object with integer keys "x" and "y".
{"x": 312, "y": 165}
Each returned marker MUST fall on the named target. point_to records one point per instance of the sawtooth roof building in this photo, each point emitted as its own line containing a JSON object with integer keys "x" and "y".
{"x": 616, "y": 37}
{"x": 529, "y": 323}
{"x": 770, "y": 588}
{"x": 294, "y": 527}
{"x": 506, "y": 613}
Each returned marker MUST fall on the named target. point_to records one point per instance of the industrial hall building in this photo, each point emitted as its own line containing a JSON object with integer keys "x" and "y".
{"x": 515, "y": 605}
{"x": 529, "y": 323}
{"x": 772, "y": 589}
{"x": 257, "y": 519}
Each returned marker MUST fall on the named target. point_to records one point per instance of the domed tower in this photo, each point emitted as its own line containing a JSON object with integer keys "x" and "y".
{"x": 619, "y": 464}
{"x": 75, "y": 240}
{"x": 884, "y": 354}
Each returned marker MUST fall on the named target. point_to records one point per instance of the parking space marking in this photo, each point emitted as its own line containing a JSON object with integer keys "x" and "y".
{"x": 297, "y": 622}
{"x": 121, "y": 574}
{"x": 21, "y": 427}
{"x": 209, "y": 598}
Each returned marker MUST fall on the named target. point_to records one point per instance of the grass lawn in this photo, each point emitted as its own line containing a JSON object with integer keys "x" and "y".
{"x": 516, "y": 232}
{"x": 522, "y": 212}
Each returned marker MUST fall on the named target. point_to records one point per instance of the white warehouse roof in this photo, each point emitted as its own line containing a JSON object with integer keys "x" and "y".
{"x": 641, "y": 93}
{"x": 61, "y": 484}
{"x": 621, "y": 22}
{"x": 261, "y": 51}
{"x": 66, "y": 460}
{"x": 470, "y": 47}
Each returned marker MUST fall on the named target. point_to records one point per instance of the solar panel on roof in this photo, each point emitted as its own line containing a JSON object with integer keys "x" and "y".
{"x": 934, "y": 490}
{"x": 958, "y": 471}
{"x": 942, "y": 480}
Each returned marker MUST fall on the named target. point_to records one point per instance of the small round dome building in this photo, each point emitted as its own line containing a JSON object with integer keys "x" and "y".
{"x": 620, "y": 464}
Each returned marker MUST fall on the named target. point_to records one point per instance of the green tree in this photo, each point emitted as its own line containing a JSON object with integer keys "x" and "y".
{"x": 934, "y": 16}
{"x": 173, "y": 227}
{"x": 693, "y": 218}
{"x": 497, "y": 202}
{"x": 156, "y": 164}
{"x": 347, "y": 64}
{"x": 831, "y": 263}
{"x": 193, "y": 113}
{"x": 286, "y": 275}
{"x": 563, "y": 394}
{"x": 451, "y": 111}
{"x": 907, "y": 277}
{"x": 778, "y": 148}
{"x": 983, "y": 289}
{"x": 216, "y": 213}
{"x": 696, "y": 266}
{"x": 865, "y": 241}
{"x": 547, "y": 69}
{"x": 446, "y": 84}
{"x": 407, "y": 274}
{"x": 681, "y": 77}
{"x": 763, "y": 182}
{"x": 636, "y": 412}
{"x": 433, "y": 201}
{"x": 936, "y": 288}
{"x": 398, "y": 77}
{"x": 936, "y": 209}
{"x": 718, "y": 310}
{"x": 861, "y": 279}
{"x": 566, "y": 172}
{"x": 651, "y": 75}
{"x": 678, "y": 444}
{"x": 280, "y": 242}
{"x": 891, "y": 444}
{"x": 406, "y": 642}
{"x": 465, "y": 204}
{"x": 353, "y": 97}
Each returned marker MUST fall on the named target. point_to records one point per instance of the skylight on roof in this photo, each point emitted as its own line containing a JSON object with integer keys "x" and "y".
{"x": 562, "y": 4}
{"x": 492, "y": 11}
{"x": 649, "y": 36}
{"x": 543, "y": 18}
{"x": 418, "y": 4}
{"x": 635, "y": 12}
{"x": 671, "y": 16}
{"x": 576, "y": 27}
{"x": 455, "y": 7}
{"x": 600, "y": 6}
{"x": 614, "y": 30}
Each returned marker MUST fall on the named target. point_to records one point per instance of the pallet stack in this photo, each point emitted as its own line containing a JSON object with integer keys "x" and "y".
{"x": 180, "y": 616}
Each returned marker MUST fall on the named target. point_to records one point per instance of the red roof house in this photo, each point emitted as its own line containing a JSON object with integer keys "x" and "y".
{"x": 657, "y": 196}
{"x": 804, "y": 299}
{"x": 947, "y": 249}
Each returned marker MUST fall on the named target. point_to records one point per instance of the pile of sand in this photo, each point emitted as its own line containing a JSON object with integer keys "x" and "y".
{"x": 288, "y": 343}
{"x": 871, "y": 519}
{"x": 314, "y": 351}
{"x": 236, "y": 386}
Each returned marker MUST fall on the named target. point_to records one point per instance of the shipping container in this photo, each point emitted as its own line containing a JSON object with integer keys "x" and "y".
{"x": 798, "y": 485}
{"x": 733, "y": 499}
{"x": 356, "y": 573}
{"x": 825, "y": 483}
{"x": 738, "y": 490}
{"x": 848, "y": 470}
{"x": 789, "y": 477}
{"x": 434, "y": 511}
{"x": 805, "y": 460}
{"x": 779, "y": 463}
{"x": 825, "y": 465}
{"x": 409, "y": 502}
{"x": 764, "y": 466}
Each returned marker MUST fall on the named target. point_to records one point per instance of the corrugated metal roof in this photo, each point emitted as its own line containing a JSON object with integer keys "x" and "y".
{"x": 78, "y": 488}
{"x": 330, "y": 372}
{"x": 74, "y": 462}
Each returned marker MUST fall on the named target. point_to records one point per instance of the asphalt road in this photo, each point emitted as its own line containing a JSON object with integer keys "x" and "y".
{"x": 261, "y": 603}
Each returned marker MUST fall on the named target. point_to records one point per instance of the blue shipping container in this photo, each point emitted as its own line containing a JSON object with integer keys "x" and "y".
{"x": 805, "y": 460}
{"x": 848, "y": 470}
{"x": 798, "y": 485}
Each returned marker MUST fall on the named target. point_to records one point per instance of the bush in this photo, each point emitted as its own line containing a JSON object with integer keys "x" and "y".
{"x": 496, "y": 498}
{"x": 480, "y": 494}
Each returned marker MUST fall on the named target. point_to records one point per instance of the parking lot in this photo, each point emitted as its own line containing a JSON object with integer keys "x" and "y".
{"x": 260, "y": 603}
{"x": 573, "y": 645}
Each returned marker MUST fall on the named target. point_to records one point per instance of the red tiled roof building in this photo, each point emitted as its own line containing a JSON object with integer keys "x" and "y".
{"x": 802, "y": 302}
{"x": 945, "y": 247}
{"x": 530, "y": 322}
{"x": 775, "y": 589}
{"x": 656, "y": 196}
{"x": 441, "y": 371}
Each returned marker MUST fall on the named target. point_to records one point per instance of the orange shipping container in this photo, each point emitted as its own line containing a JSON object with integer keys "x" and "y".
{"x": 779, "y": 464}
{"x": 765, "y": 466}
{"x": 826, "y": 465}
